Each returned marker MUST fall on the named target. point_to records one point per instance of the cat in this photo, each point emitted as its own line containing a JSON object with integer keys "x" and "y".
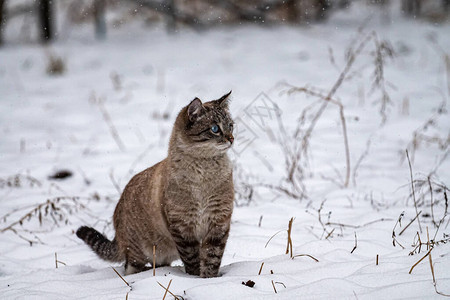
{"x": 183, "y": 204}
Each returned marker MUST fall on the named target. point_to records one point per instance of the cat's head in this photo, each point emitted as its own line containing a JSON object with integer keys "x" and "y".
{"x": 204, "y": 129}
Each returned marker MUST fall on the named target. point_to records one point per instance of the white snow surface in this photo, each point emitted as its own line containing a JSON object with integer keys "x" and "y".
{"x": 49, "y": 123}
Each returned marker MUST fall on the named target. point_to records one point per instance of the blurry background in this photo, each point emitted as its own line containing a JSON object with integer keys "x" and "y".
{"x": 33, "y": 20}
{"x": 327, "y": 98}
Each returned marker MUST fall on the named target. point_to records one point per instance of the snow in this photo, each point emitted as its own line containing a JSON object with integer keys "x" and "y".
{"x": 49, "y": 123}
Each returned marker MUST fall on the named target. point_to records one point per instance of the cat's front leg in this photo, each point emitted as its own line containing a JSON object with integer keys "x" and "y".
{"x": 212, "y": 249}
{"x": 188, "y": 248}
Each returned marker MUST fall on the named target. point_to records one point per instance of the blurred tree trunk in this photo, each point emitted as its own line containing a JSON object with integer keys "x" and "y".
{"x": 171, "y": 16}
{"x": 446, "y": 5}
{"x": 45, "y": 19}
{"x": 2, "y": 20}
{"x": 100, "y": 19}
{"x": 322, "y": 9}
{"x": 411, "y": 7}
{"x": 293, "y": 15}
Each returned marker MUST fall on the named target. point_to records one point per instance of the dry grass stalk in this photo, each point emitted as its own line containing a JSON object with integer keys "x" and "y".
{"x": 421, "y": 135}
{"x": 360, "y": 160}
{"x": 413, "y": 192}
{"x": 327, "y": 98}
{"x": 303, "y": 136}
{"x": 431, "y": 201}
{"x": 412, "y": 268}
{"x": 383, "y": 50}
{"x": 19, "y": 180}
{"x": 273, "y": 285}
{"x": 281, "y": 189}
{"x": 394, "y": 236}
{"x": 310, "y": 256}
{"x": 58, "y": 261}
{"x": 430, "y": 247}
{"x": 319, "y": 216}
{"x": 289, "y": 239}
{"x": 121, "y": 277}
{"x": 56, "y": 65}
{"x": 167, "y": 290}
{"x": 357, "y": 226}
{"x": 432, "y": 272}
{"x": 260, "y": 269}
{"x": 434, "y": 278}
{"x": 154, "y": 260}
{"x": 267, "y": 243}
{"x": 57, "y": 209}
{"x": 330, "y": 234}
{"x": 107, "y": 118}
{"x": 406, "y": 227}
{"x": 356, "y": 244}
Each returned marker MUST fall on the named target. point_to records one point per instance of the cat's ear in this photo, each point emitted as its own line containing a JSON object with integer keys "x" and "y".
{"x": 224, "y": 101}
{"x": 195, "y": 109}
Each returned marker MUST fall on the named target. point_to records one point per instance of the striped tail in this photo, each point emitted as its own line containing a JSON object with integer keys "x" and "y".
{"x": 104, "y": 248}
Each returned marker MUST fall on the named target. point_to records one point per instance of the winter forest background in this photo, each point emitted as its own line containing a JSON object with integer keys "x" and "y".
{"x": 341, "y": 154}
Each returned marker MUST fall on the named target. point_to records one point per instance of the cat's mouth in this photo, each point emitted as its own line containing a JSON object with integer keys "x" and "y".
{"x": 224, "y": 146}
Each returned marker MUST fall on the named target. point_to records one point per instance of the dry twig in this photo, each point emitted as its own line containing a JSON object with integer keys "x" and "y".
{"x": 412, "y": 187}
{"x": 107, "y": 118}
{"x": 167, "y": 290}
{"x": 310, "y": 256}
{"x": 121, "y": 277}
{"x": 260, "y": 269}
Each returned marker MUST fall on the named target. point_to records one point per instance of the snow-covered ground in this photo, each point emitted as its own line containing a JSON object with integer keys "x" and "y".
{"x": 137, "y": 80}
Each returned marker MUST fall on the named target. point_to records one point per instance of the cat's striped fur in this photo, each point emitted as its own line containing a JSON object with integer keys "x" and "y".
{"x": 183, "y": 204}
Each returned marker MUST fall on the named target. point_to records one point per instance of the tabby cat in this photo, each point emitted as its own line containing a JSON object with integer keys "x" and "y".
{"x": 183, "y": 204}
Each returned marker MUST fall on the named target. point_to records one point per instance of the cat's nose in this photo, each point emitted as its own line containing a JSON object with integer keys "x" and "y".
{"x": 230, "y": 138}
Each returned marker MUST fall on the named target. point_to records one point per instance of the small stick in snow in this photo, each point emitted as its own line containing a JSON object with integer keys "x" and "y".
{"x": 377, "y": 260}
{"x": 429, "y": 251}
{"x": 399, "y": 221}
{"x": 273, "y": 284}
{"x": 431, "y": 196}
{"x": 167, "y": 290}
{"x": 358, "y": 226}
{"x": 260, "y": 220}
{"x": 154, "y": 259}
{"x": 260, "y": 269}
{"x": 310, "y": 256}
{"x": 272, "y": 238}
{"x": 413, "y": 192}
{"x": 410, "y": 223}
{"x": 356, "y": 244}
{"x": 121, "y": 277}
{"x": 107, "y": 118}
{"x": 58, "y": 261}
{"x": 434, "y": 278}
{"x": 330, "y": 233}
{"x": 289, "y": 240}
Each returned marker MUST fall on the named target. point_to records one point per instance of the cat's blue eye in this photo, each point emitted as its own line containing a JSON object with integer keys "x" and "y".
{"x": 215, "y": 129}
